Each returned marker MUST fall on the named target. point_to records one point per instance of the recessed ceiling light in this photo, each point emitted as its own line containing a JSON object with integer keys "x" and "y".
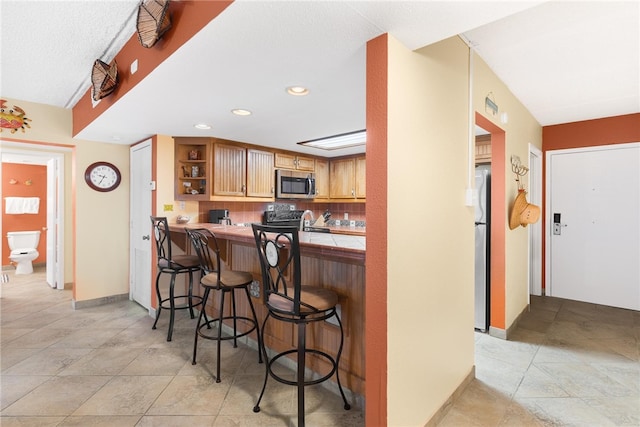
{"x": 202, "y": 126}
{"x": 335, "y": 142}
{"x": 297, "y": 90}
{"x": 241, "y": 112}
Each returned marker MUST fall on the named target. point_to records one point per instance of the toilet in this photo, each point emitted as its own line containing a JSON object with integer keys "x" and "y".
{"x": 23, "y": 246}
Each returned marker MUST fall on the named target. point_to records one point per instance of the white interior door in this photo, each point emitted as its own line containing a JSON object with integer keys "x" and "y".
{"x": 140, "y": 257}
{"x": 594, "y": 246}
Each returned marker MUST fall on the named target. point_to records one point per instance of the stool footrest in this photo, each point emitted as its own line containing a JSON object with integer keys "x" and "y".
{"x": 207, "y": 325}
{"x": 322, "y": 354}
{"x": 166, "y": 303}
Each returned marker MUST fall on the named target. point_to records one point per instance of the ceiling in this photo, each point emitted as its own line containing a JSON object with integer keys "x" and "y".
{"x": 565, "y": 61}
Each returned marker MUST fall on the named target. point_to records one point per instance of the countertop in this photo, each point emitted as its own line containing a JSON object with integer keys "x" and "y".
{"x": 321, "y": 245}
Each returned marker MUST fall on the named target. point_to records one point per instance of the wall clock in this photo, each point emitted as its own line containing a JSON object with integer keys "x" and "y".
{"x": 102, "y": 176}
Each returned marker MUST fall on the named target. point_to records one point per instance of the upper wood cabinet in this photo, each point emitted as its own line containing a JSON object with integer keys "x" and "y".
{"x": 292, "y": 161}
{"x": 322, "y": 179}
{"x": 347, "y": 178}
{"x": 229, "y": 170}
{"x": 483, "y": 149}
{"x": 192, "y": 176}
{"x": 361, "y": 177}
{"x": 260, "y": 174}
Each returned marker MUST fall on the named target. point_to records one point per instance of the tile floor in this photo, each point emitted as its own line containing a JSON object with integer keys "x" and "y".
{"x": 567, "y": 364}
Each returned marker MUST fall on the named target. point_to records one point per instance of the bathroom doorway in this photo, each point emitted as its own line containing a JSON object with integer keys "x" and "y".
{"x": 54, "y": 162}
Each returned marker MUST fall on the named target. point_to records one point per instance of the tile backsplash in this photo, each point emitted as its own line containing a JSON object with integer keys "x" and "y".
{"x": 245, "y": 212}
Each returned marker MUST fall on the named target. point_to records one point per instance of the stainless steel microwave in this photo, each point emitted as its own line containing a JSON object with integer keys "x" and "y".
{"x": 295, "y": 184}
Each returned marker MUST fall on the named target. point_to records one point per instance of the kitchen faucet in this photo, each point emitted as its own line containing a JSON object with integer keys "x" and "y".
{"x": 301, "y": 228}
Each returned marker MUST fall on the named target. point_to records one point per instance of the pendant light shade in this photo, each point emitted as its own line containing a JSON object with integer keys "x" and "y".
{"x": 104, "y": 78}
{"x": 153, "y": 21}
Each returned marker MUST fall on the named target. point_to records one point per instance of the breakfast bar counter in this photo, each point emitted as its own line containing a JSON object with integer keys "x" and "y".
{"x": 333, "y": 261}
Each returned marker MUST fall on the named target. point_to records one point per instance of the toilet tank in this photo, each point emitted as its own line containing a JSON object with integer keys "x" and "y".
{"x": 23, "y": 239}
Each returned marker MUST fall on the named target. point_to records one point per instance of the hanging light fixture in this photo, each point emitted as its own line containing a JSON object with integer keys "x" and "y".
{"x": 153, "y": 21}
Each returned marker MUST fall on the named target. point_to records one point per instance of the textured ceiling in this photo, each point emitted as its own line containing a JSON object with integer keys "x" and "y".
{"x": 565, "y": 61}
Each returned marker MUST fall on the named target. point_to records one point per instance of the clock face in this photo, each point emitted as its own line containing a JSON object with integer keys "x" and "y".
{"x": 102, "y": 176}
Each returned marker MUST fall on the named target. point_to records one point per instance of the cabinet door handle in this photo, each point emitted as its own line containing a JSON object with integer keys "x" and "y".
{"x": 147, "y": 237}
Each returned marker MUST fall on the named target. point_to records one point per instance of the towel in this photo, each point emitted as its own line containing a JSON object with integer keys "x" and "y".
{"x": 31, "y": 205}
{"x": 22, "y": 205}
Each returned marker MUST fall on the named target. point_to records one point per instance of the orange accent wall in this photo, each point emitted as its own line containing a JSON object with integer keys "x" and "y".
{"x": 497, "y": 292}
{"x": 376, "y": 257}
{"x": 24, "y": 222}
{"x": 589, "y": 133}
{"x": 187, "y": 18}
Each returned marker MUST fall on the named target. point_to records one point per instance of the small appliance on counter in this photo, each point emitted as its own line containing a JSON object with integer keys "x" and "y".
{"x": 219, "y": 216}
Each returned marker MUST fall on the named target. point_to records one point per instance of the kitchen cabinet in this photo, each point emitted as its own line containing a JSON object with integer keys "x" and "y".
{"x": 361, "y": 178}
{"x": 483, "y": 149}
{"x": 192, "y": 175}
{"x": 322, "y": 179}
{"x": 295, "y": 162}
{"x": 347, "y": 178}
{"x": 260, "y": 173}
{"x": 229, "y": 170}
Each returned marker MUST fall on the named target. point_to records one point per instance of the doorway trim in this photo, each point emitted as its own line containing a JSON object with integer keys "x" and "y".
{"x": 497, "y": 297}
{"x": 41, "y": 154}
{"x": 535, "y": 230}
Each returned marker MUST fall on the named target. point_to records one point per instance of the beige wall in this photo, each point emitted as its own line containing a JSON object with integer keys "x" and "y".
{"x": 521, "y": 130}
{"x": 97, "y": 254}
{"x": 430, "y": 253}
{"x": 430, "y": 230}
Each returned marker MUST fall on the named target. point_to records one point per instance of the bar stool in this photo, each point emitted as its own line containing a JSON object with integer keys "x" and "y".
{"x": 227, "y": 281}
{"x": 287, "y": 300}
{"x": 173, "y": 265}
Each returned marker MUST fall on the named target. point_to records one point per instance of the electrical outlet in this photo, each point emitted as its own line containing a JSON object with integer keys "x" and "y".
{"x": 292, "y": 207}
{"x": 352, "y": 223}
{"x": 270, "y": 208}
{"x": 337, "y": 222}
{"x": 254, "y": 289}
{"x": 182, "y": 205}
{"x": 168, "y": 208}
{"x": 346, "y": 215}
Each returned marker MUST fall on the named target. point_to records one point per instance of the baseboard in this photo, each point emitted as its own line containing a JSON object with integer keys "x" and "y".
{"x": 98, "y": 301}
{"x": 444, "y": 409}
{"x": 505, "y": 333}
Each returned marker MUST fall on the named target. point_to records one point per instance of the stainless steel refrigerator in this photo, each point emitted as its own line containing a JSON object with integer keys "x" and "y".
{"x": 482, "y": 276}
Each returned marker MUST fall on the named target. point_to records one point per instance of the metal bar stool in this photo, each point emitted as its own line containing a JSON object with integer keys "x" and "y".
{"x": 173, "y": 265}
{"x": 287, "y": 300}
{"x": 227, "y": 281}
